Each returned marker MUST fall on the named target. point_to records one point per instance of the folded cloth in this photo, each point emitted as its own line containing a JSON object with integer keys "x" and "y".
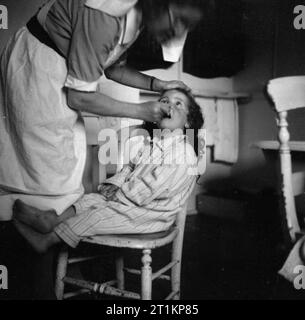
{"x": 295, "y": 259}
{"x": 227, "y": 141}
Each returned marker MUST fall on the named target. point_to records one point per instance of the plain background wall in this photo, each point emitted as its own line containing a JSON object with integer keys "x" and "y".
{"x": 274, "y": 49}
{"x": 256, "y": 118}
{"x": 19, "y": 12}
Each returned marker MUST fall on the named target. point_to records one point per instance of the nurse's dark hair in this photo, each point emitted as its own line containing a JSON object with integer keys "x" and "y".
{"x": 153, "y": 8}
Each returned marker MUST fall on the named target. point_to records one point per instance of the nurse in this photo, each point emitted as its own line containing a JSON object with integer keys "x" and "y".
{"x": 49, "y": 73}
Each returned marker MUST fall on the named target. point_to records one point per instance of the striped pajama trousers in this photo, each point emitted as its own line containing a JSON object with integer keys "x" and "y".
{"x": 97, "y": 216}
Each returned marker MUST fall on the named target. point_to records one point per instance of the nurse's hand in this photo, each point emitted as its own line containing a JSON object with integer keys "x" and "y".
{"x": 160, "y": 85}
{"x": 154, "y": 111}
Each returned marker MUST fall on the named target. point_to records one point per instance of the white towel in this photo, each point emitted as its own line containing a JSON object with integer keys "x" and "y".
{"x": 227, "y": 138}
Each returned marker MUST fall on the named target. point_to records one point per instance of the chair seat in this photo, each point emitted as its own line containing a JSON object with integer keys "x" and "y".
{"x": 135, "y": 241}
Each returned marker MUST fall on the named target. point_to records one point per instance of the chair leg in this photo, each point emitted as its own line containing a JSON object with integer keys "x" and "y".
{"x": 61, "y": 272}
{"x": 176, "y": 270}
{"x": 119, "y": 266}
{"x": 146, "y": 276}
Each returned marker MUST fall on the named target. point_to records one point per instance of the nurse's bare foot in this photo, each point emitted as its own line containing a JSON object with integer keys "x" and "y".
{"x": 38, "y": 241}
{"x": 39, "y": 220}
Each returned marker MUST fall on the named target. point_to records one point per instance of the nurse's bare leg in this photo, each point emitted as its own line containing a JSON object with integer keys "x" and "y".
{"x": 38, "y": 241}
{"x": 40, "y": 220}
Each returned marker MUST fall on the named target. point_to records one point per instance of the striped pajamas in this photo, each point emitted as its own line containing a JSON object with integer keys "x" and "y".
{"x": 151, "y": 191}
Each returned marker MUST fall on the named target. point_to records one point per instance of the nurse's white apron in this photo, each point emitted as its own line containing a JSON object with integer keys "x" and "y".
{"x": 42, "y": 140}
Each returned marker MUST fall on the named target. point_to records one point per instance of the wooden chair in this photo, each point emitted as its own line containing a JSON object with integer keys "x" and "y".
{"x": 288, "y": 93}
{"x": 144, "y": 242}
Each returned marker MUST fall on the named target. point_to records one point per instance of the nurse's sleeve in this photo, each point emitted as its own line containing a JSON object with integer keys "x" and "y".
{"x": 94, "y": 36}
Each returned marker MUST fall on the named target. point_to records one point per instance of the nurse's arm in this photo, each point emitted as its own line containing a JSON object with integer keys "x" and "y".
{"x": 133, "y": 78}
{"x": 103, "y": 105}
{"x": 128, "y": 76}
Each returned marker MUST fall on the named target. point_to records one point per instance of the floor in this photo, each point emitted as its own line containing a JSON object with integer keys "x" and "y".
{"x": 222, "y": 259}
{"x": 229, "y": 259}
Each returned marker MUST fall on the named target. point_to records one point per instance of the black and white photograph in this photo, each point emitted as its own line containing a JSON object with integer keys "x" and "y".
{"x": 152, "y": 150}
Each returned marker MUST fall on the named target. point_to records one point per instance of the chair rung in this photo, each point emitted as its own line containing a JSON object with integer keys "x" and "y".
{"x": 163, "y": 277}
{"x": 133, "y": 271}
{"x": 172, "y": 295}
{"x": 111, "y": 291}
{"x": 75, "y": 293}
{"x": 138, "y": 273}
{"x": 102, "y": 288}
{"x": 159, "y": 274}
{"x": 110, "y": 283}
{"x": 77, "y": 260}
{"x": 92, "y": 286}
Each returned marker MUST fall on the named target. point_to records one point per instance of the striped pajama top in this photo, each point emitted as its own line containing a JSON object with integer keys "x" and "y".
{"x": 152, "y": 189}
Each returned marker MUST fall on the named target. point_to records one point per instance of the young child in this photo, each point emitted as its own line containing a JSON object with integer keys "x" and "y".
{"x": 144, "y": 197}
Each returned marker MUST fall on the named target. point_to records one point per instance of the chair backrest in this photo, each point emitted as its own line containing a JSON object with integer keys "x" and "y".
{"x": 288, "y": 93}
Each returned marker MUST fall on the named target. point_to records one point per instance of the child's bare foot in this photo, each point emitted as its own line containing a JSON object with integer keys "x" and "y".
{"x": 39, "y": 220}
{"x": 40, "y": 242}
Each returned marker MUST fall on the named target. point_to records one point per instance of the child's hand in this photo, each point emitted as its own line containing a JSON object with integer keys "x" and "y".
{"x": 108, "y": 190}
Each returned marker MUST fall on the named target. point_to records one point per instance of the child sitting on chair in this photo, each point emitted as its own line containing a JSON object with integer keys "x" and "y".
{"x": 144, "y": 197}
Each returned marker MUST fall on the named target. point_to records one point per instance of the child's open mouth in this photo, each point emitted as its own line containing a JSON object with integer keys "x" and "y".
{"x": 170, "y": 113}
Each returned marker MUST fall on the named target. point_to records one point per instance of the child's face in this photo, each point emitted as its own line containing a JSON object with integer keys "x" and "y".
{"x": 179, "y": 104}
